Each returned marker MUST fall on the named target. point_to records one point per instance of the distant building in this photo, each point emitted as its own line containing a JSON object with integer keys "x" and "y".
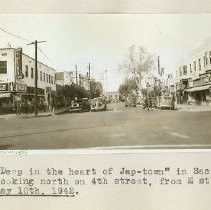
{"x": 193, "y": 77}
{"x": 84, "y": 81}
{"x": 17, "y": 77}
{"x": 64, "y": 78}
{"x": 113, "y": 96}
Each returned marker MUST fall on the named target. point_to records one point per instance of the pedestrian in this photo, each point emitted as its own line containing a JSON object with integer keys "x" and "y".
{"x": 146, "y": 103}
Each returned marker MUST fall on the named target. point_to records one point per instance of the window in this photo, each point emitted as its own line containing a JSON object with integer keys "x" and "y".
{"x": 199, "y": 64}
{"x": 32, "y": 73}
{"x": 206, "y": 59}
{"x": 49, "y": 78}
{"x": 44, "y": 76}
{"x": 3, "y": 67}
{"x": 184, "y": 70}
{"x": 190, "y": 68}
{"x": 180, "y": 71}
{"x": 26, "y": 71}
{"x": 40, "y": 75}
{"x": 194, "y": 63}
{"x": 4, "y": 54}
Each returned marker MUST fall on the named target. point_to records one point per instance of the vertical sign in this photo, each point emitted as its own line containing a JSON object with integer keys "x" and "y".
{"x": 19, "y": 72}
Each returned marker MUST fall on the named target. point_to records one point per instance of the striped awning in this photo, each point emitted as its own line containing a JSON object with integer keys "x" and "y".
{"x": 5, "y": 95}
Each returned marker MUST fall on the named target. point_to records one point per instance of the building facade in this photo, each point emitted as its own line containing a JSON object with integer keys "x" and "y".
{"x": 193, "y": 83}
{"x": 17, "y": 78}
{"x": 64, "y": 78}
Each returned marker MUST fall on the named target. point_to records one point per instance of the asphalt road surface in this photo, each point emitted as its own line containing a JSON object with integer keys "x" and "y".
{"x": 118, "y": 127}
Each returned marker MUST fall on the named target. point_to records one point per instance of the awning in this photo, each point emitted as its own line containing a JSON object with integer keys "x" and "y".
{"x": 4, "y": 95}
{"x": 194, "y": 89}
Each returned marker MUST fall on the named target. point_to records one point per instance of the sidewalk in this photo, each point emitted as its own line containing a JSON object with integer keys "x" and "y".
{"x": 193, "y": 108}
{"x": 40, "y": 114}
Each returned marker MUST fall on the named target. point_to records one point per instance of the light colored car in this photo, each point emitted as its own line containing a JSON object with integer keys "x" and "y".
{"x": 166, "y": 102}
{"x": 98, "y": 104}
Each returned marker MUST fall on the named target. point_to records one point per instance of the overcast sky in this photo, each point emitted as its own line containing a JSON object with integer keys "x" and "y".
{"x": 103, "y": 40}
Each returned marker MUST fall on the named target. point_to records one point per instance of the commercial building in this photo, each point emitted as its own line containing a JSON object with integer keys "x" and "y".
{"x": 64, "y": 78}
{"x": 17, "y": 78}
{"x": 193, "y": 83}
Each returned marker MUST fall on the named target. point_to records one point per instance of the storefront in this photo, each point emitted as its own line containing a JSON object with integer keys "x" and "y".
{"x": 199, "y": 95}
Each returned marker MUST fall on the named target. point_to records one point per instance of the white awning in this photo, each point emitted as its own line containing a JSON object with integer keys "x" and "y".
{"x": 4, "y": 95}
{"x": 194, "y": 89}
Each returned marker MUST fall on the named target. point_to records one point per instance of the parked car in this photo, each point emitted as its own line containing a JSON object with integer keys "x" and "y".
{"x": 80, "y": 105}
{"x": 98, "y": 104}
{"x": 166, "y": 102}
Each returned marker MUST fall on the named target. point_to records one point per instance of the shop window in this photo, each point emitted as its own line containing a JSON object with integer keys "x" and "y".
{"x": 26, "y": 71}
{"x": 3, "y": 67}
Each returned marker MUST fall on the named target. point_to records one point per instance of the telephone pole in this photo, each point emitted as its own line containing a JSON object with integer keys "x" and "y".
{"x": 90, "y": 83}
{"x": 76, "y": 74}
{"x": 36, "y": 77}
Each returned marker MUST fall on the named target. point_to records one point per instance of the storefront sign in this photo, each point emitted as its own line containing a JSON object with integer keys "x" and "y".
{"x": 20, "y": 87}
{"x": 4, "y": 87}
{"x": 19, "y": 63}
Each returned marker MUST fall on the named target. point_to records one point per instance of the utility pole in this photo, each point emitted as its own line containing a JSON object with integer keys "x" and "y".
{"x": 159, "y": 65}
{"x": 76, "y": 74}
{"x": 36, "y": 77}
{"x": 90, "y": 83}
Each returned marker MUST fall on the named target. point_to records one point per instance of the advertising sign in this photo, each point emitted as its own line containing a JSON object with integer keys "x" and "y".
{"x": 20, "y": 87}
{"x": 19, "y": 63}
{"x": 3, "y": 87}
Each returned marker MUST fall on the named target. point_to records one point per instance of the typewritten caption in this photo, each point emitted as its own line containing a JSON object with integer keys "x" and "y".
{"x": 70, "y": 182}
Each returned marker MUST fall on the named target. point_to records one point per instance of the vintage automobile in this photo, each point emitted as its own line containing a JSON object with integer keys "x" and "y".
{"x": 98, "y": 104}
{"x": 166, "y": 102}
{"x": 80, "y": 105}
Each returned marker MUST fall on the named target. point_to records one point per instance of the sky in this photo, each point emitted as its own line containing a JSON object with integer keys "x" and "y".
{"x": 103, "y": 40}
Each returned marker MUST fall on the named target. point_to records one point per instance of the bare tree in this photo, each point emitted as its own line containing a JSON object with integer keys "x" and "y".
{"x": 138, "y": 63}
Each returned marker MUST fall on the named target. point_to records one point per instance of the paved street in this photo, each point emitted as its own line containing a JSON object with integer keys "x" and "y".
{"x": 119, "y": 126}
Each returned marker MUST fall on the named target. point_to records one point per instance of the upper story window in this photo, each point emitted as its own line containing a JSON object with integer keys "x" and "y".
{"x": 206, "y": 59}
{"x": 199, "y": 64}
{"x": 26, "y": 71}
{"x": 43, "y": 76}
{"x": 46, "y": 77}
{"x": 190, "y": 68}
{"x": 32, "y": 73}
{"x": 194, "y": 64}
{"x": 3, "y": 67}
{"x": 180, "y": 71}
{"x": 185, "y": 70}
{"x": 40, "y": 75}
{"x": 49, "y": 78}
{"x": 4, "y": 54}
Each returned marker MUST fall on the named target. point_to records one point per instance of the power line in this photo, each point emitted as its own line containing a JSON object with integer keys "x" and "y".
{"x": 47, "y": 57}
{"x": 19, "y": 37}
{"x": 14, "y": 35}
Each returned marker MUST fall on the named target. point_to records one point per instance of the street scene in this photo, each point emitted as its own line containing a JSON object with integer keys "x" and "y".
{"x": 99, "y": 82}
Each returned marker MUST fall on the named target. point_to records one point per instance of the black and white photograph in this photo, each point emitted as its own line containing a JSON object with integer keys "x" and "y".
{"x": 72, "y": 81}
